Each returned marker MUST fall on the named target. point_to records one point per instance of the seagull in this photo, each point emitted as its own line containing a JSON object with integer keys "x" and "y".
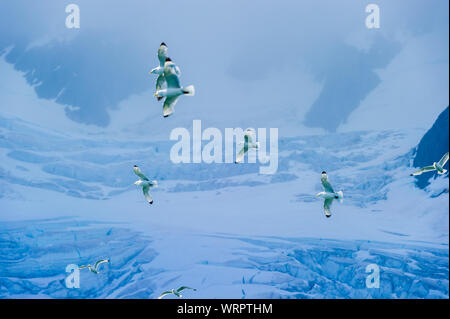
{"x": 175, "y": 292}
{"x": 159, "y": 70}
{"x": 248, "y": 144}
{"x": 94, "y": 268}
{"x": 439, "y": 167}
{"x": 145, "y": 183}
{"x": 174, "y": 89}
{"x": 329, "y": 194}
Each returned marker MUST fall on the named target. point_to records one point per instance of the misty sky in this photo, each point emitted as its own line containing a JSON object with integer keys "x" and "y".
{"x": 309, "y": 63}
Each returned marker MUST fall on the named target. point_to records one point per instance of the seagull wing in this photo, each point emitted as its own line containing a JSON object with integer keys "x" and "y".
{"x": 183, "y": 288}
{"x": 162, "y": 55}
{"x": 423, "y": 170}
{"x": 327, "y": 205}
{"x": 138, "y": 172}
{"x": 146, "y": 194}
{"x": 326, "y": 184}
{"x": 177, "y": 70}
{"x": 170, "y": 73}
{"x": 165, "y": 293}
{"x": 240, "y": 155}
{"x": 84, "y": 266}
{"x": 99, "y": 262}
{"x": 160, "y": 82}
{"x": 248, "y": 138}
{"x": 169, "y": 103}
{"x": 443, "y": 160}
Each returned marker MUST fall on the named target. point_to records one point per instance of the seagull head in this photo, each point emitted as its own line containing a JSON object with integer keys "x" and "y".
{"x": 250, "y": 131}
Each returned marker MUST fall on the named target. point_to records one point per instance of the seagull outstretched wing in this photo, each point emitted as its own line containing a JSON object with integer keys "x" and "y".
{"x": 326, "y": 184}
{"x": 138, "y": 172}
{"x": 145, "y": 189}
{"x": 240, "y": 155}
{"x": 169, "y": 103}
{"x": 162, "y": 54}
{"x": 248, "y": 137}
{"x": 443, "y": 160}
{"x": 165, "y": 293}
{"x": 99, "y": 262}
{"x": 423, "y": 170}
{"x": 327, "y": 205}
{"x": 185, "y": 287}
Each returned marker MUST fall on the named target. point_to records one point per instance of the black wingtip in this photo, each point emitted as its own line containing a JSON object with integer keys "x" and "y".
{"x": 323, "y": 172}
{"x": 168, "y": 59}
{"x": 159, "y": 98}
{"x": 328, "y": 216}
{"x": 166, "y": 115}
{"x": 150, "y": 202}
{"x": 162, "y": 43}
{"x": 135, "y": 166}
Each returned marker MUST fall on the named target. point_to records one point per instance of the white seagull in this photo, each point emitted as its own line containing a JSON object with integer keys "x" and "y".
{"x": 175, "y": 292}
{"x": 94, "y": 268}
{"x": 329, "y": 194}
{"x": 145, "y": 183}
{"x": 439, "y": 167}
{"x": 248, "y": 144}
{"x": 159, "y": 70}
{"x": 174, "y": 89}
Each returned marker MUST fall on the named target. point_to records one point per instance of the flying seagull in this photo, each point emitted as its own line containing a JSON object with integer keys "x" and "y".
{"x": 174, "y": 89}
{"x": 94, "y": 268}
{"x": 159, "y": 70}
{"x": 248, "y": 144}
{"x": 439, "y": 167}
{"x": 329, "y": 194}
{"x": 145, "y": 183}
{"x": 175, "y": 292}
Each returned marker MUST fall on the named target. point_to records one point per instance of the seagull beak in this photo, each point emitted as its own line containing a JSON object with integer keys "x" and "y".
{"x": 156, "y": 94}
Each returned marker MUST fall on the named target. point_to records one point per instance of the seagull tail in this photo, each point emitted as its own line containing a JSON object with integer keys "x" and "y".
{"x": 443, "y": 172}
{"x": 189, "y": 90}
{"x": 341, "y": 196}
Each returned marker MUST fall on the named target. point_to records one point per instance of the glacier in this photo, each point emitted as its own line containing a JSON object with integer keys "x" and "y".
{"x": 69, "y": 200}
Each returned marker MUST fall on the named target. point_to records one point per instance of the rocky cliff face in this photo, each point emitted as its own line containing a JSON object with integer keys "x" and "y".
{"x": 433, "y": 145}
